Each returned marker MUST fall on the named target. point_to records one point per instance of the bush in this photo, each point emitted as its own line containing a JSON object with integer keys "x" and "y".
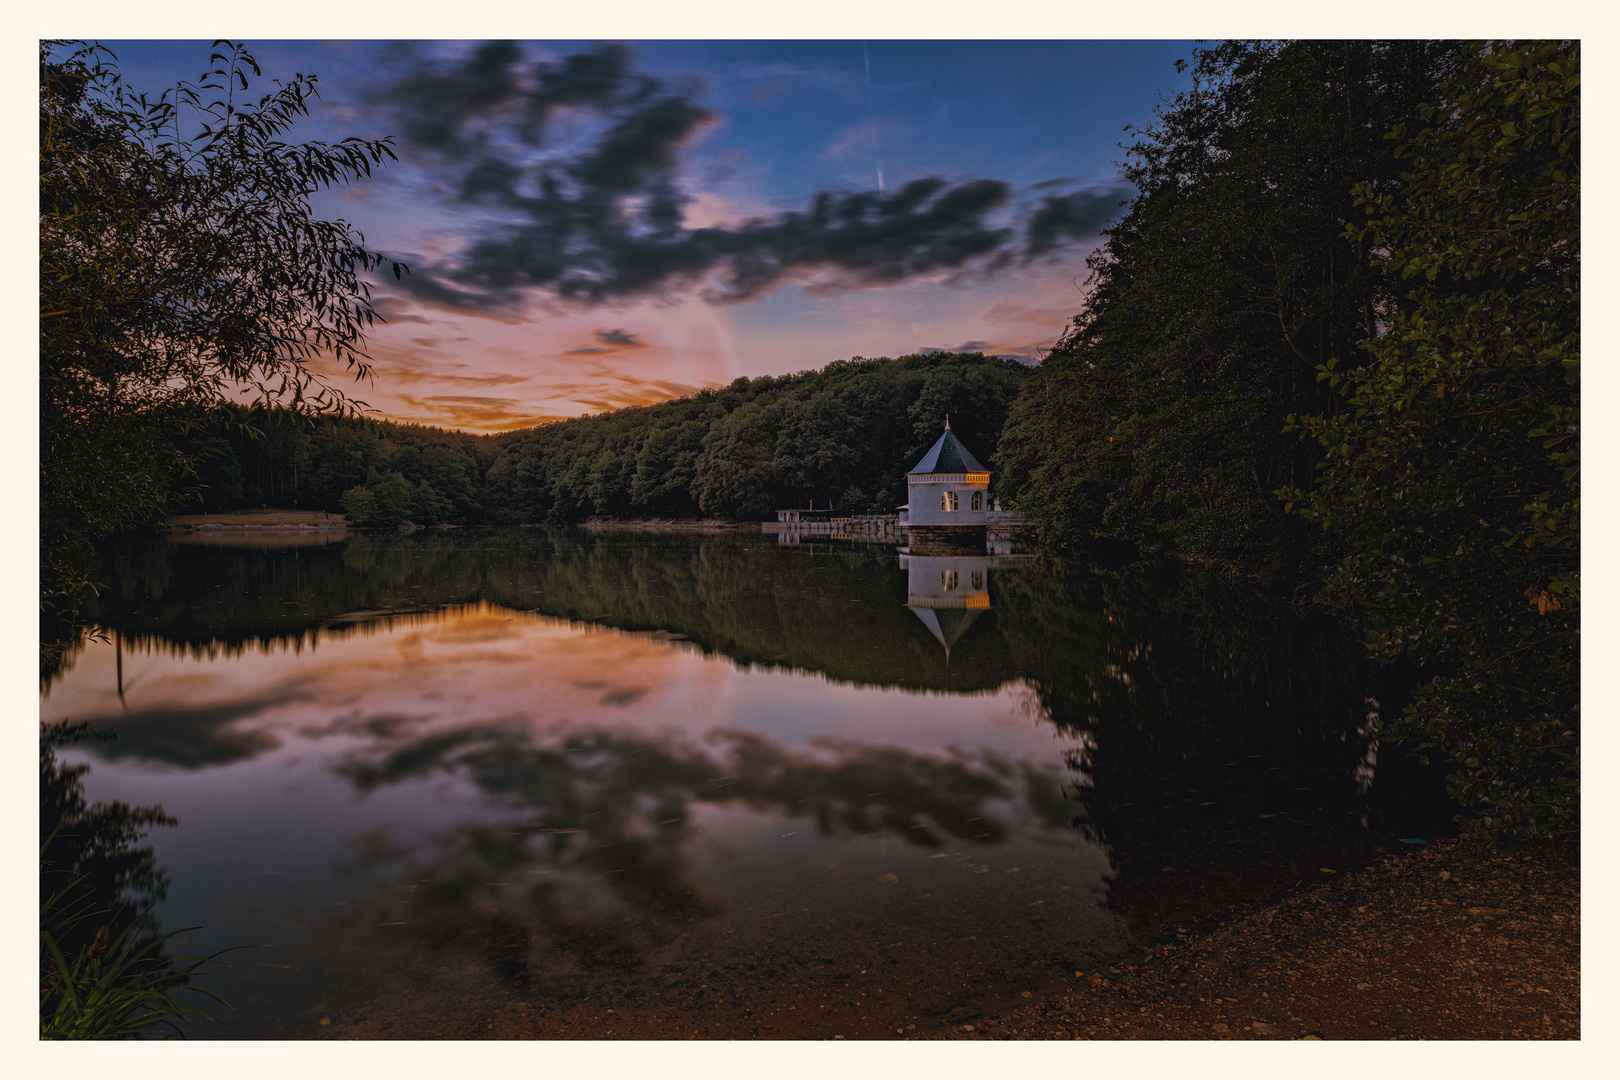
{"x": 382, "y": 502}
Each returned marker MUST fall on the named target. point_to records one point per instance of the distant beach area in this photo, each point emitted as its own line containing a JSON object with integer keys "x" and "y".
{"x": 269, "y": 518}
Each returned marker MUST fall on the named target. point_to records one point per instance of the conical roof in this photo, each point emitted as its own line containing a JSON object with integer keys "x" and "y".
{"x": 948, "y": 456}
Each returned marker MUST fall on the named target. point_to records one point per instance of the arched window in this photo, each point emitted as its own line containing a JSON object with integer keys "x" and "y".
{"x": 978, "y": 500}
{"x": 948, "y": 579}
{"x": 947, "y": 500}
{"x": 978, "y": 579}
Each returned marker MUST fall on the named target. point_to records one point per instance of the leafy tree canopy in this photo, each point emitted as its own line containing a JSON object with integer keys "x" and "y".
{"x": 1450, "y": 485}
{"x": 842, "y": 436}
{"x": 1158, "y": 419}
{"x": 178, "y": 272}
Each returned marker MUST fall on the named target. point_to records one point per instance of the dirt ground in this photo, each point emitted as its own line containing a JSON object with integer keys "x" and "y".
{"x": 1457, "y": 941}
{"x": 269, "y": 518}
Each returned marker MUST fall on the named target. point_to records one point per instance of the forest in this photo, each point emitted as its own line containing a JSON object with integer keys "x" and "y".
{"x": 842, "y": 436}
{"x": 1331, "y": 348}
{"x": 1334, "y": 346}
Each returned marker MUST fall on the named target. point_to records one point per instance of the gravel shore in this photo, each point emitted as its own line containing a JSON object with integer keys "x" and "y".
{"x": 1457, "y": 941}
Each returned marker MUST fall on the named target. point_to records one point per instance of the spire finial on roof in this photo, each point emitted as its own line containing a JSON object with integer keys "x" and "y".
{"x": 948, "y": 456}
{"x": 947, "y": 421}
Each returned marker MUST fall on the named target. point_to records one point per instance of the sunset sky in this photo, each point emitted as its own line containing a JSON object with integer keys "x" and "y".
{"x": 591, "y": 225}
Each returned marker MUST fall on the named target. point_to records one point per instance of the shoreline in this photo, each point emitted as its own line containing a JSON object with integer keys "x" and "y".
{"x": 259, "y": 519}
{"x": 312, "y": 519}
{"x": 667, "y": 525}
{"x": 1460, "y": 940}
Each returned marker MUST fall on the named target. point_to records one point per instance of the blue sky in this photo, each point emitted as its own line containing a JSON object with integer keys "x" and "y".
{"x": 683, "y": 246}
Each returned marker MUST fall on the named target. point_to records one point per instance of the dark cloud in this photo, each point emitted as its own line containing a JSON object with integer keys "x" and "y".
{"x": 611, "y": 341}
{"x": 593, "y": 251}
{"x": 1076, "y": 216}
{"x": 603, "y": 221}
{"x": 392, "y": 310}
{"x": 431, "y": 288}
{"x": 456, "y": 109}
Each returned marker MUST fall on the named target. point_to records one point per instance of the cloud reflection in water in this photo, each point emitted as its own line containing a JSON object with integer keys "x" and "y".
{"x": 608, "y": 827}
{"x": 557, "y": 798}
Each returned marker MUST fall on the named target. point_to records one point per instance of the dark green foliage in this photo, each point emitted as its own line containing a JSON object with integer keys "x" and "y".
{"x": 843, "y": 436}
{"x": 739, "y": 462}
{"x": 248, "y": 459}
{"x": 93, "y": 844}
{"x": 1158, "y": 419}
{"x": 341, "y": 457}
{"x": 177, "y": 271}
{"x": 119, "y": 986}
{"x": 1450, "y": 487}
{"x": 1306, "y": 205}
{"x": 739, "y": 594}
{"x": 446, "y": 482}
{"x": 103, "y": 969}
{"x": 382, "y": 501}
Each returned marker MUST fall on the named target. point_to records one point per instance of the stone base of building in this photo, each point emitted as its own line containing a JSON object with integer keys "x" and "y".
{"x": 946, "y": 539}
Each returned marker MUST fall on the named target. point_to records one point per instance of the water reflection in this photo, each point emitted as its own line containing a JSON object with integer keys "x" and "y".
{"x": 481, "y": 765}
{"x": 833, "y": 609}
{"x": 260, "y": 539}
{"x": 949, "y": 592}
{"x": 558, "y": 808}
{"x": 96, "y": 881}
{"x": 613, "y": 831}
{"x": 95, "y": 846}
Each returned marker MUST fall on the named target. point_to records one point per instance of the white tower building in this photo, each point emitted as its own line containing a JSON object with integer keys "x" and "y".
{"x": 948, "y": 495}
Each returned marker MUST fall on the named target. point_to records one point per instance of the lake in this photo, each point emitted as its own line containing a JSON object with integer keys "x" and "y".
{"x": 643, "y": 785}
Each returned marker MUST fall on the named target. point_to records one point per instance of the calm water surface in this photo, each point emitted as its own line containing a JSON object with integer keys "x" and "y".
{"x": 647, "y": 785}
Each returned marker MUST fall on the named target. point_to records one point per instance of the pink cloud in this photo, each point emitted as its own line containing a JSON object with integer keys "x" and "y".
{"x": 1022, "y": 313}
{"x": 470, "y": 412}
{"x": 552, "y": 362}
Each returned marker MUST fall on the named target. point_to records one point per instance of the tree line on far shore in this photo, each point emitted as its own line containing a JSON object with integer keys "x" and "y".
{"x": 842, "y": 436}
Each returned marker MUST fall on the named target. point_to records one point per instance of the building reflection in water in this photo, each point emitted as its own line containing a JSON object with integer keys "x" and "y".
{"x": 949, "y": 592}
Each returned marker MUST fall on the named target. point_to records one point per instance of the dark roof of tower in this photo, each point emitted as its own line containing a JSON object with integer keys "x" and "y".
{"x": 948, "y": 456}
